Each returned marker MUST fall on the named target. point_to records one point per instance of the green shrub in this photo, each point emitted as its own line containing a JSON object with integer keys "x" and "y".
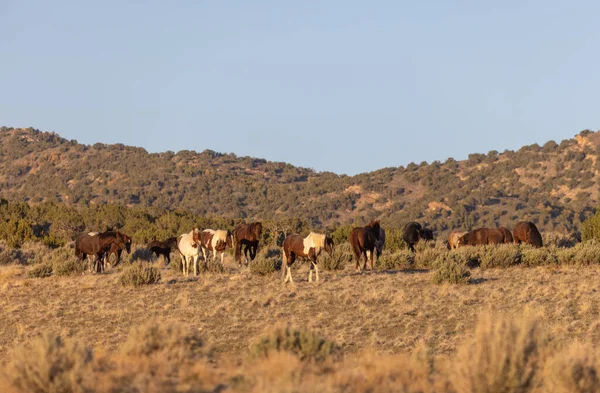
{"x": 265, "y": 266}
{"x": 138, "y": 255}
{"x": 451, "y": 268}
{"x": 587, "y": 253}
{"x": 565, "y": 256}
{"x": 556, "y": 239}
{"x": 590, "y": 229}
{"x": 303, "y": 343}
{"x": 469, "y": 256}
{"x": 40, "y": 271}
{"x": 139, "y": 274}
{"x": 211, "y": 266}
{"x": 501, "y": 255}
{"x": 402, "y": 259}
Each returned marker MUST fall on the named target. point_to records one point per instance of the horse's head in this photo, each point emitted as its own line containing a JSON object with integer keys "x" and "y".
{"x": 229, "y": 239}
{"x": 426, "y": 234}
{"x": 126, "y": 241}
{"x": 329, "y": 246}
{"x": 196, "y": 237}
{"x": 463, "y": 240}
{"x": 257, "y": 230}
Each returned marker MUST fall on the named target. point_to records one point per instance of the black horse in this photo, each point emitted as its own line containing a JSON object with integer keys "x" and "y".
{"x": 163, "y": 248}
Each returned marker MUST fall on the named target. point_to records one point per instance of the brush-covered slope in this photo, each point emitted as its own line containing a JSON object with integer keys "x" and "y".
{"x": 555, "y": 185}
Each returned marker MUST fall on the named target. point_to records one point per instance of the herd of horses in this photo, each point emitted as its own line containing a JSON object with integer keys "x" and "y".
{"x": 367, "y": 242}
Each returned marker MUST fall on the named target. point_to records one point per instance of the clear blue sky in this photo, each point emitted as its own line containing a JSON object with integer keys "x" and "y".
{"x": 342, "y": 86}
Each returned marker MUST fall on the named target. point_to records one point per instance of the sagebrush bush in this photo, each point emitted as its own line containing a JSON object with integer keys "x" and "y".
{"x": 49, "y": 364}
{"x": 451, "y": 268}
{"x": 265, "y": 266}
{"x": 500, "y": 255}
{"x": 303, "y": 343}
{"x": 469, "y": 256}
{"x": 587, "y": 253}
{"x": 504, "y": 355}
{"x": 338, "y": 261}
{"x": 41, "y": 270}
{"x": 532, "y": 256}
{"x": 427, "y": 257}
{"x": 64, "y": 262}
{"x": 211, "y": 266}
{"x": 402, "y": 259}
{"x": 560, "y": 240}
{"x": 139, "y": 274}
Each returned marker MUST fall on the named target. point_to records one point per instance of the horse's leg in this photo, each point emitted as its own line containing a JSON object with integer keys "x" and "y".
{"x": 238, "y": 252}
{"x": 372, "y": 252}
{"x": 196, "y": 264}
{"x": 365, "y": 264}
{"x": 288, "y": 269}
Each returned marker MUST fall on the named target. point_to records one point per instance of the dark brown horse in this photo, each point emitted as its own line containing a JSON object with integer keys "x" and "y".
{"x": 363, "y": 241}
{"x": 163, "y": 248}
{"x": 248, "y": 236}
{"x": 96, "y": 245}
{"x": 309, "y": 247}
{"x": 118, "y": 250}
{"x": 527, "y": 232}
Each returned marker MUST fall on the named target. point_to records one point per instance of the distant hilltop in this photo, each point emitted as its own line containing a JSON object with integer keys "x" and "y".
{"x": 555, "y": 185}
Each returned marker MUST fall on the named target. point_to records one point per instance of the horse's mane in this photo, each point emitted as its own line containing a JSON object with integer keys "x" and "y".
{"x": 314, "y": 240}
{"x": 373, "y": 224}
{"x": 209, "y": 231}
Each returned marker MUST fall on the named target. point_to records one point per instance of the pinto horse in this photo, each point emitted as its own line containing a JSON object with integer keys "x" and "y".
{"x": 163, "y": 248}
{"x": 188, "y": 245}
{"x": 215, "y": 241}
{"x": 248, "y": 236}
{"x": 364, "y": 240}
{"x": 310, "y": 247}
{"x": 96, "y": 245}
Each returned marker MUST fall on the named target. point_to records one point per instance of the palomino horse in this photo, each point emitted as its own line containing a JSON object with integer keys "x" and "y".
{"x": 247, "y": 235}
{"x": 363, "y": 241}
{"x": 310, "y": 247}
{"x": 163, "y": 248}
{"x": 188, "y": 245}
{"x": 215, "y": 241}
{"x": 96, "y": 245}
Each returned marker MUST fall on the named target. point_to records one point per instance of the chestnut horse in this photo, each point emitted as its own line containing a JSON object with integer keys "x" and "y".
{"x": 310, "y": 247}
{"x": 116, "y": 248}
{"x": 248, "y": 236}
{"x": 163, "y": 248}
{"x": 188, "y": 245}
{"x": 364, "y": 241}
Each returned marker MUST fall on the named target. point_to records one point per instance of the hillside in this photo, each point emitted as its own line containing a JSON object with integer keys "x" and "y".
{"x": 555, "y": 185}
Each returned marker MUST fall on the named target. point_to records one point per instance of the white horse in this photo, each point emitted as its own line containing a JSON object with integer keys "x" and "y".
{"x": 188, "y": 245}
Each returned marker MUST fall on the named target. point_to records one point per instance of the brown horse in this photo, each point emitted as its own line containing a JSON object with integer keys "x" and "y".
{"x": 96, "y": 245}
{"x": 482, "y": 236}
{"x": 309, "y": 247}
{"x": 163, "y": 248}
{"x": 248, "y": 236}
{"x": 363, "y": 241}
{"x": 527, "y": 232}
{"x": 215, "y": 241}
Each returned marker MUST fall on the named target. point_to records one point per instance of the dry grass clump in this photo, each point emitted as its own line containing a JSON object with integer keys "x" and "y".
{"x": 402, "y": 259}
{"x": 303, "y": 343}
{"x": 503, "y": 356}
{"x": 48, "y": 364}
{"x": 451, "y": 268}
{"x": 42, "y": 270}
{"x": 501, "y": 255}
{"x": 574, "y": 370}
{"x": 139, "y": 274}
